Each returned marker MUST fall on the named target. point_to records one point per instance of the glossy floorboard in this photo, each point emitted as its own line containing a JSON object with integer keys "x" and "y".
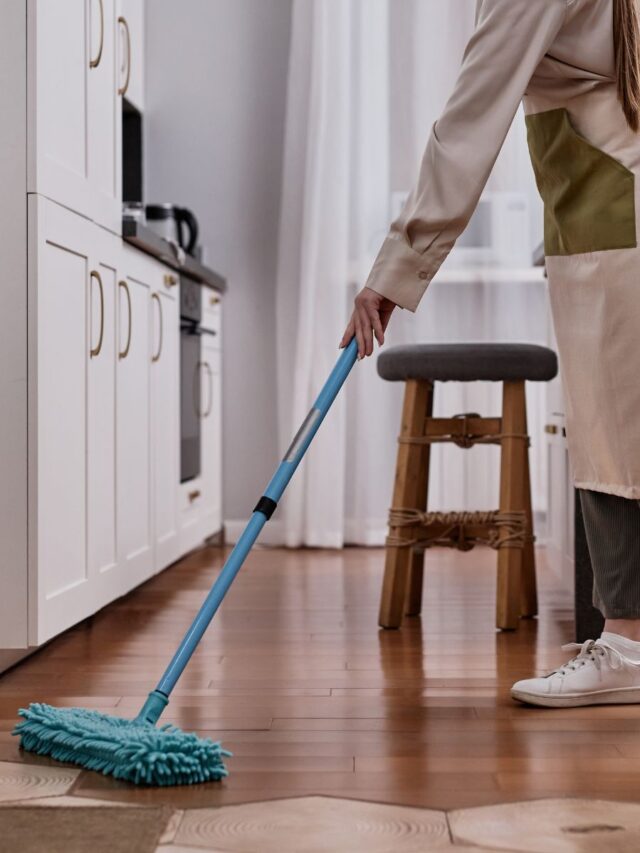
{"x": 296, "y": 679}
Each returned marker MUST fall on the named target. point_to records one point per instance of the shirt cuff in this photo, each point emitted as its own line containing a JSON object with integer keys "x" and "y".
{"x": 401, "y": 274}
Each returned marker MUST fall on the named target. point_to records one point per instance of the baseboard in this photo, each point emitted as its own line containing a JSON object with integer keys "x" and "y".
{"x": 10, "y": 657}
{"x": 370, "y": 534}
{"x": 272, "y": 533}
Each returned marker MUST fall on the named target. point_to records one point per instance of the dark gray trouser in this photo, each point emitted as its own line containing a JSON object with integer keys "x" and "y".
{"x": 612, "y": 525}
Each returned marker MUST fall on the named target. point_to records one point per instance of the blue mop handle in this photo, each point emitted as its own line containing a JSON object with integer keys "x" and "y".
{"x": 264, "y": 509}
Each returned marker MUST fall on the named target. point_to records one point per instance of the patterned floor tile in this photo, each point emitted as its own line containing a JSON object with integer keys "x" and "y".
{"x": 66, "y": 801}
{"x": 313, "y": 825}
{"x": 172, "y": 848}
{"x": 552, "y": 826}
{"x": 454, "y": 848}
{"x": 20, "y": 781}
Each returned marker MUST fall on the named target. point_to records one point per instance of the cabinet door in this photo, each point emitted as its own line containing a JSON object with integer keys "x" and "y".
{"x": 59, "y": 579}
{"x": 560, "y": 509}
{"x": 131, "y": 50}
{"x": 133, "y": 420}
{"x": 102, "y": 557}
{"x": 104, "y": 119}
{"x": 165, "y": 426}
{"x": 211, "y": 437}
{"x": 74, "y": 111}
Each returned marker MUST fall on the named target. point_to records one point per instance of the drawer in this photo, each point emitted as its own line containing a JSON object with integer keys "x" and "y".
{"x": 211, "y": 310}
{"x": 191, "y": 514}
{"x": 191, "y": 495}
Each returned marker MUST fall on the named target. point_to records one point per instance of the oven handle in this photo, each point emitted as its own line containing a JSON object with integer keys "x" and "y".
{"x": 192, "y": 329}
{"x": 207, "y": 411}
{"x": 196, "y": 389}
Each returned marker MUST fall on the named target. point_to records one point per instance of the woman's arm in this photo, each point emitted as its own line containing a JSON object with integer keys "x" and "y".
{"x": 510, "y": 39}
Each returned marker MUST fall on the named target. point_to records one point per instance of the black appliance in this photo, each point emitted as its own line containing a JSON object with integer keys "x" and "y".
{"x": 190, "y": 367}
{"x": 132, "y": 150}
{"x": 190, "y": 317}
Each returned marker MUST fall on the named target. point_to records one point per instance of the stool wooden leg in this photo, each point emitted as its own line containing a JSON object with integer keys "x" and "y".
{"x": 416, "y": 566}
{"x": 409, "y": 492}
{"x": 529, "y": 592}
{"x": 512, "y": 477}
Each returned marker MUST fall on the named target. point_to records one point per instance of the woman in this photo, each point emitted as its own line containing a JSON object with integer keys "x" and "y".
{"x": 576, "y": 63}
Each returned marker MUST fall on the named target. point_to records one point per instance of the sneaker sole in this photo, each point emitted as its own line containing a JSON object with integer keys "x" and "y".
{"x": 624, "y": 696}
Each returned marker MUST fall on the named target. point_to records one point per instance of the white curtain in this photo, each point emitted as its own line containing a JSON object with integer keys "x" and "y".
{"x": 367, "y": 78}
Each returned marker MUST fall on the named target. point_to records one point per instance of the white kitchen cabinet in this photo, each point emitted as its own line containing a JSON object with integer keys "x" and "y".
{"x": 131, "y": 51}
{"x": 58, "y": 307}
{"x": 165, "y": 426}
{"x": 104, "y": 418}
{"x": 560, "y": 494}
{"x": 211, "y": 312}
{"x": 74, "y": 108}
{"x": 90, "y": 338}
{"x": 561, "y": 510}
{"x": 211, "y": 377}
{"x": 74, "y": 566}
{"x": 133, "y": 471}
{"x": 105, "y": 509}
{"x": 211, "y": 507}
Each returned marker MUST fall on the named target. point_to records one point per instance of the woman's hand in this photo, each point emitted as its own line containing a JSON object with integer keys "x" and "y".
{"x": 371, "y": 315}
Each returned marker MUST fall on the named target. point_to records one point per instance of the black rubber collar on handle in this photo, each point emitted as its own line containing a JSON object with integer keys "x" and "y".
{"x": 266, "y": 506}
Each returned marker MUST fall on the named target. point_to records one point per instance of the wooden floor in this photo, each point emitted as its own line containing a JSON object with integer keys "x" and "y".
{"x": 296, "y": 679}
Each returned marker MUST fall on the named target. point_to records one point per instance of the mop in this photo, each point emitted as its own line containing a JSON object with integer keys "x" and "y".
{"x": 136, "y": 750}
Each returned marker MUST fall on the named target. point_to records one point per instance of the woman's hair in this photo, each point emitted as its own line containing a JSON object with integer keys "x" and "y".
{"x": 626, "y": 35}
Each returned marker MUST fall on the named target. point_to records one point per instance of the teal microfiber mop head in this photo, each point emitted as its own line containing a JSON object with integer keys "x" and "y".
{"x": 133, "y": 750}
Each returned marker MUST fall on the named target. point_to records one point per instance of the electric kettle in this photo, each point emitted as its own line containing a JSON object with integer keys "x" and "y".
{"x": 171, "y": 222}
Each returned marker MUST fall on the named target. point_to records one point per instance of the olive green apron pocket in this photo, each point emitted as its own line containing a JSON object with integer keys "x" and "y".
{"x": 589, "y": 197}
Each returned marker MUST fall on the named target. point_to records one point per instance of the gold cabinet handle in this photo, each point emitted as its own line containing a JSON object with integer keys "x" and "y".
{"x": 552, "y": 429}
{"x": 194, "y": 495}
{"x": 156, "y": 357}
{"x": 94, "y": 274}
{"x": 170, "y": 280}
{"x": 214, "y": 300}
{"x": 123, "y": 22}
{"x": 125, "y": 351}
{"x": 93, "y": 63}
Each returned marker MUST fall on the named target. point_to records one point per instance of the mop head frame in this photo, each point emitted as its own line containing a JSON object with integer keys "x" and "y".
{"x": 131, "y": 750}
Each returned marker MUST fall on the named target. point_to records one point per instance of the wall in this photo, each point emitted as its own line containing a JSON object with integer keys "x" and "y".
{"x": 216, "y": 74}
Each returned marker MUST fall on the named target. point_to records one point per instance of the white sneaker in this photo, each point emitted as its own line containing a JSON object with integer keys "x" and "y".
{"x": 600, "y": 674}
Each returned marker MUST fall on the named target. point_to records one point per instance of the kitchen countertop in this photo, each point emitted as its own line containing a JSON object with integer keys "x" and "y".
{"x": 148, "y": 241}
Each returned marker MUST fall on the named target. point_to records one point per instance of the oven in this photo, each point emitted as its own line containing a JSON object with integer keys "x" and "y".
{"x": 190, "y": 392}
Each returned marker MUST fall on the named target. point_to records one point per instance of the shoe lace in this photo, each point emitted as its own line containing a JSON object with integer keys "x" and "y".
{"x": 592, "y": 651}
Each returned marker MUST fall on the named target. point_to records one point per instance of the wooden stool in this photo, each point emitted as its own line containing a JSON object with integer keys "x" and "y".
{"x": 510, "y": 528}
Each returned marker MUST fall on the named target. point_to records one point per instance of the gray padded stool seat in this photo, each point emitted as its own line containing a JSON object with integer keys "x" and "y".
{"x": 501, "y": 362}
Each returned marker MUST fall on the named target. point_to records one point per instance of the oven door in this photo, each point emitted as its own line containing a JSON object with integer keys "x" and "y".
{"x": 190, "y": 407}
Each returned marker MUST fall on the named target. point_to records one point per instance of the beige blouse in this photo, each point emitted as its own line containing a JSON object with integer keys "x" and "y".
{"x": 558, "y": 56}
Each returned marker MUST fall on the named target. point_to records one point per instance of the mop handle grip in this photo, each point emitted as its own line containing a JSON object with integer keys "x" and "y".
{"x": 262, "y": 512}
